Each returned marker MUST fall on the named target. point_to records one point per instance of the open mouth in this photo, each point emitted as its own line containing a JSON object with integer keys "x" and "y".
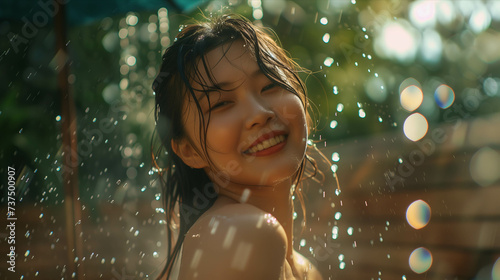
{"x": 266, "y": 144}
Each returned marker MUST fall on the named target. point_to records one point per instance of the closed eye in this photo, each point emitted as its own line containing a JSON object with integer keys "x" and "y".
{"x": 269, "y": 86}
{"x": 219, "y": 105}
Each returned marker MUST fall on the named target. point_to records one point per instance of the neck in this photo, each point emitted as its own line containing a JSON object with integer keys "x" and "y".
{"x": 276, "y": 200}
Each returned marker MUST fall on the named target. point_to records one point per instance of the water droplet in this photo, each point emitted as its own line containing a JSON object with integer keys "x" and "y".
{"x": 362, "y": 113}
{"x": 333, "y": 124}
{"x": 94, "y": 119}
{"x": 323, "y": 21}
{"x": 27, "y": 253}
{"x": 340, "y": 107}
{"x": 58, "y": 118}
{"x": 158, "y": 196}
{"x": 334, "y": 168}
{"x": 41, "y": 216}
{"x": 326, "y": 38}
{"x": 113, "y": 260}
{"x": 335, "y": 90}
{"x": 335, "y": 156}
{"x": 337, "y": 216}
{"x": 155, "y": 255}
{"x": 335, "y": 232}
{"x": 302, "y": 242}
{"x": 350, "y": 230}
{"x": 328, "y": 61}
{"x": 20, "y": 130}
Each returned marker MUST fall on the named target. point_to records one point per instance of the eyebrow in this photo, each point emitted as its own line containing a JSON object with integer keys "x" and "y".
{"x": 221, "y": 85}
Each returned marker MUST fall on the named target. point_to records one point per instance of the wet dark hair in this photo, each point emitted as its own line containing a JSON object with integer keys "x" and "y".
{"x": 183, "y": 185}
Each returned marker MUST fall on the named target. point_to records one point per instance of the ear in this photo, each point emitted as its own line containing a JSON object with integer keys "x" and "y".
{"x": 188, "y": 153}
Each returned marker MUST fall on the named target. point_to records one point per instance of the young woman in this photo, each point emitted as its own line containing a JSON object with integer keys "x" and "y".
{"x": 232, "y": 117}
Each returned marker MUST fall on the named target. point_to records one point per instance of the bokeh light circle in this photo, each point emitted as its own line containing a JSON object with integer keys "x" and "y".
{"x": 418, "y": 214}
{"x": 376, "y": 89}
{"x": 415, "y": 127}
{"x": 495, "y": 272}
{"x": 445, "y": 96}
{"x": 485, "y": 166}
{"x": 409, "y": 82}
{"x": 420, "y": 260}
{"x": 411, "y": 98}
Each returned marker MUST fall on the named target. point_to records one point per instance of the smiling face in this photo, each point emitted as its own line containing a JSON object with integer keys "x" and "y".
{"x": 257, "y": 130}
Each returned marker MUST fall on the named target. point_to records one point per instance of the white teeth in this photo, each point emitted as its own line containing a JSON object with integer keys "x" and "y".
{"x": 266, "y": 144}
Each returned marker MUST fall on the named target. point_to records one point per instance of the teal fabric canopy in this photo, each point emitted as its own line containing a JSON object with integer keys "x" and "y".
{"x": 85, "y": 11}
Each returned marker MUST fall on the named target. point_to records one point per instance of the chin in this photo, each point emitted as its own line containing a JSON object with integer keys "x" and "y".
{"x": 285, "y": 173}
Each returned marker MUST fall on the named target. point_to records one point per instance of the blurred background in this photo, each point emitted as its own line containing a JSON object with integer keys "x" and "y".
{"x": 406, "y": 98}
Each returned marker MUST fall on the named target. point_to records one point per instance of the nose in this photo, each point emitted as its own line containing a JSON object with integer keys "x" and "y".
{"x": 259, "y": 112}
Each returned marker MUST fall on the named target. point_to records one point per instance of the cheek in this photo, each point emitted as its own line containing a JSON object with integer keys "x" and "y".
{"x": 222, "y": 133}
{"x": 291, "y": 111}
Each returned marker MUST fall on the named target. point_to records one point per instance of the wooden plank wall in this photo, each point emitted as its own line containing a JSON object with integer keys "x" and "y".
{"x": 463, "y": 234}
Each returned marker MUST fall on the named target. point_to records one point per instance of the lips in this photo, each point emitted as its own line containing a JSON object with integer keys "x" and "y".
{"x": 266, "y": 141}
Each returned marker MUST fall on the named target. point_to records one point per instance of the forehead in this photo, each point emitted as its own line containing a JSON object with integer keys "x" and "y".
{"x": 228, "y": 63}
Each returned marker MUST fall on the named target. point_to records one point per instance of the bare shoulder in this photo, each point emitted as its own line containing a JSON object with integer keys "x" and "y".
{"x": 309, "y": 270}
{"x": 234, "y": 241}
